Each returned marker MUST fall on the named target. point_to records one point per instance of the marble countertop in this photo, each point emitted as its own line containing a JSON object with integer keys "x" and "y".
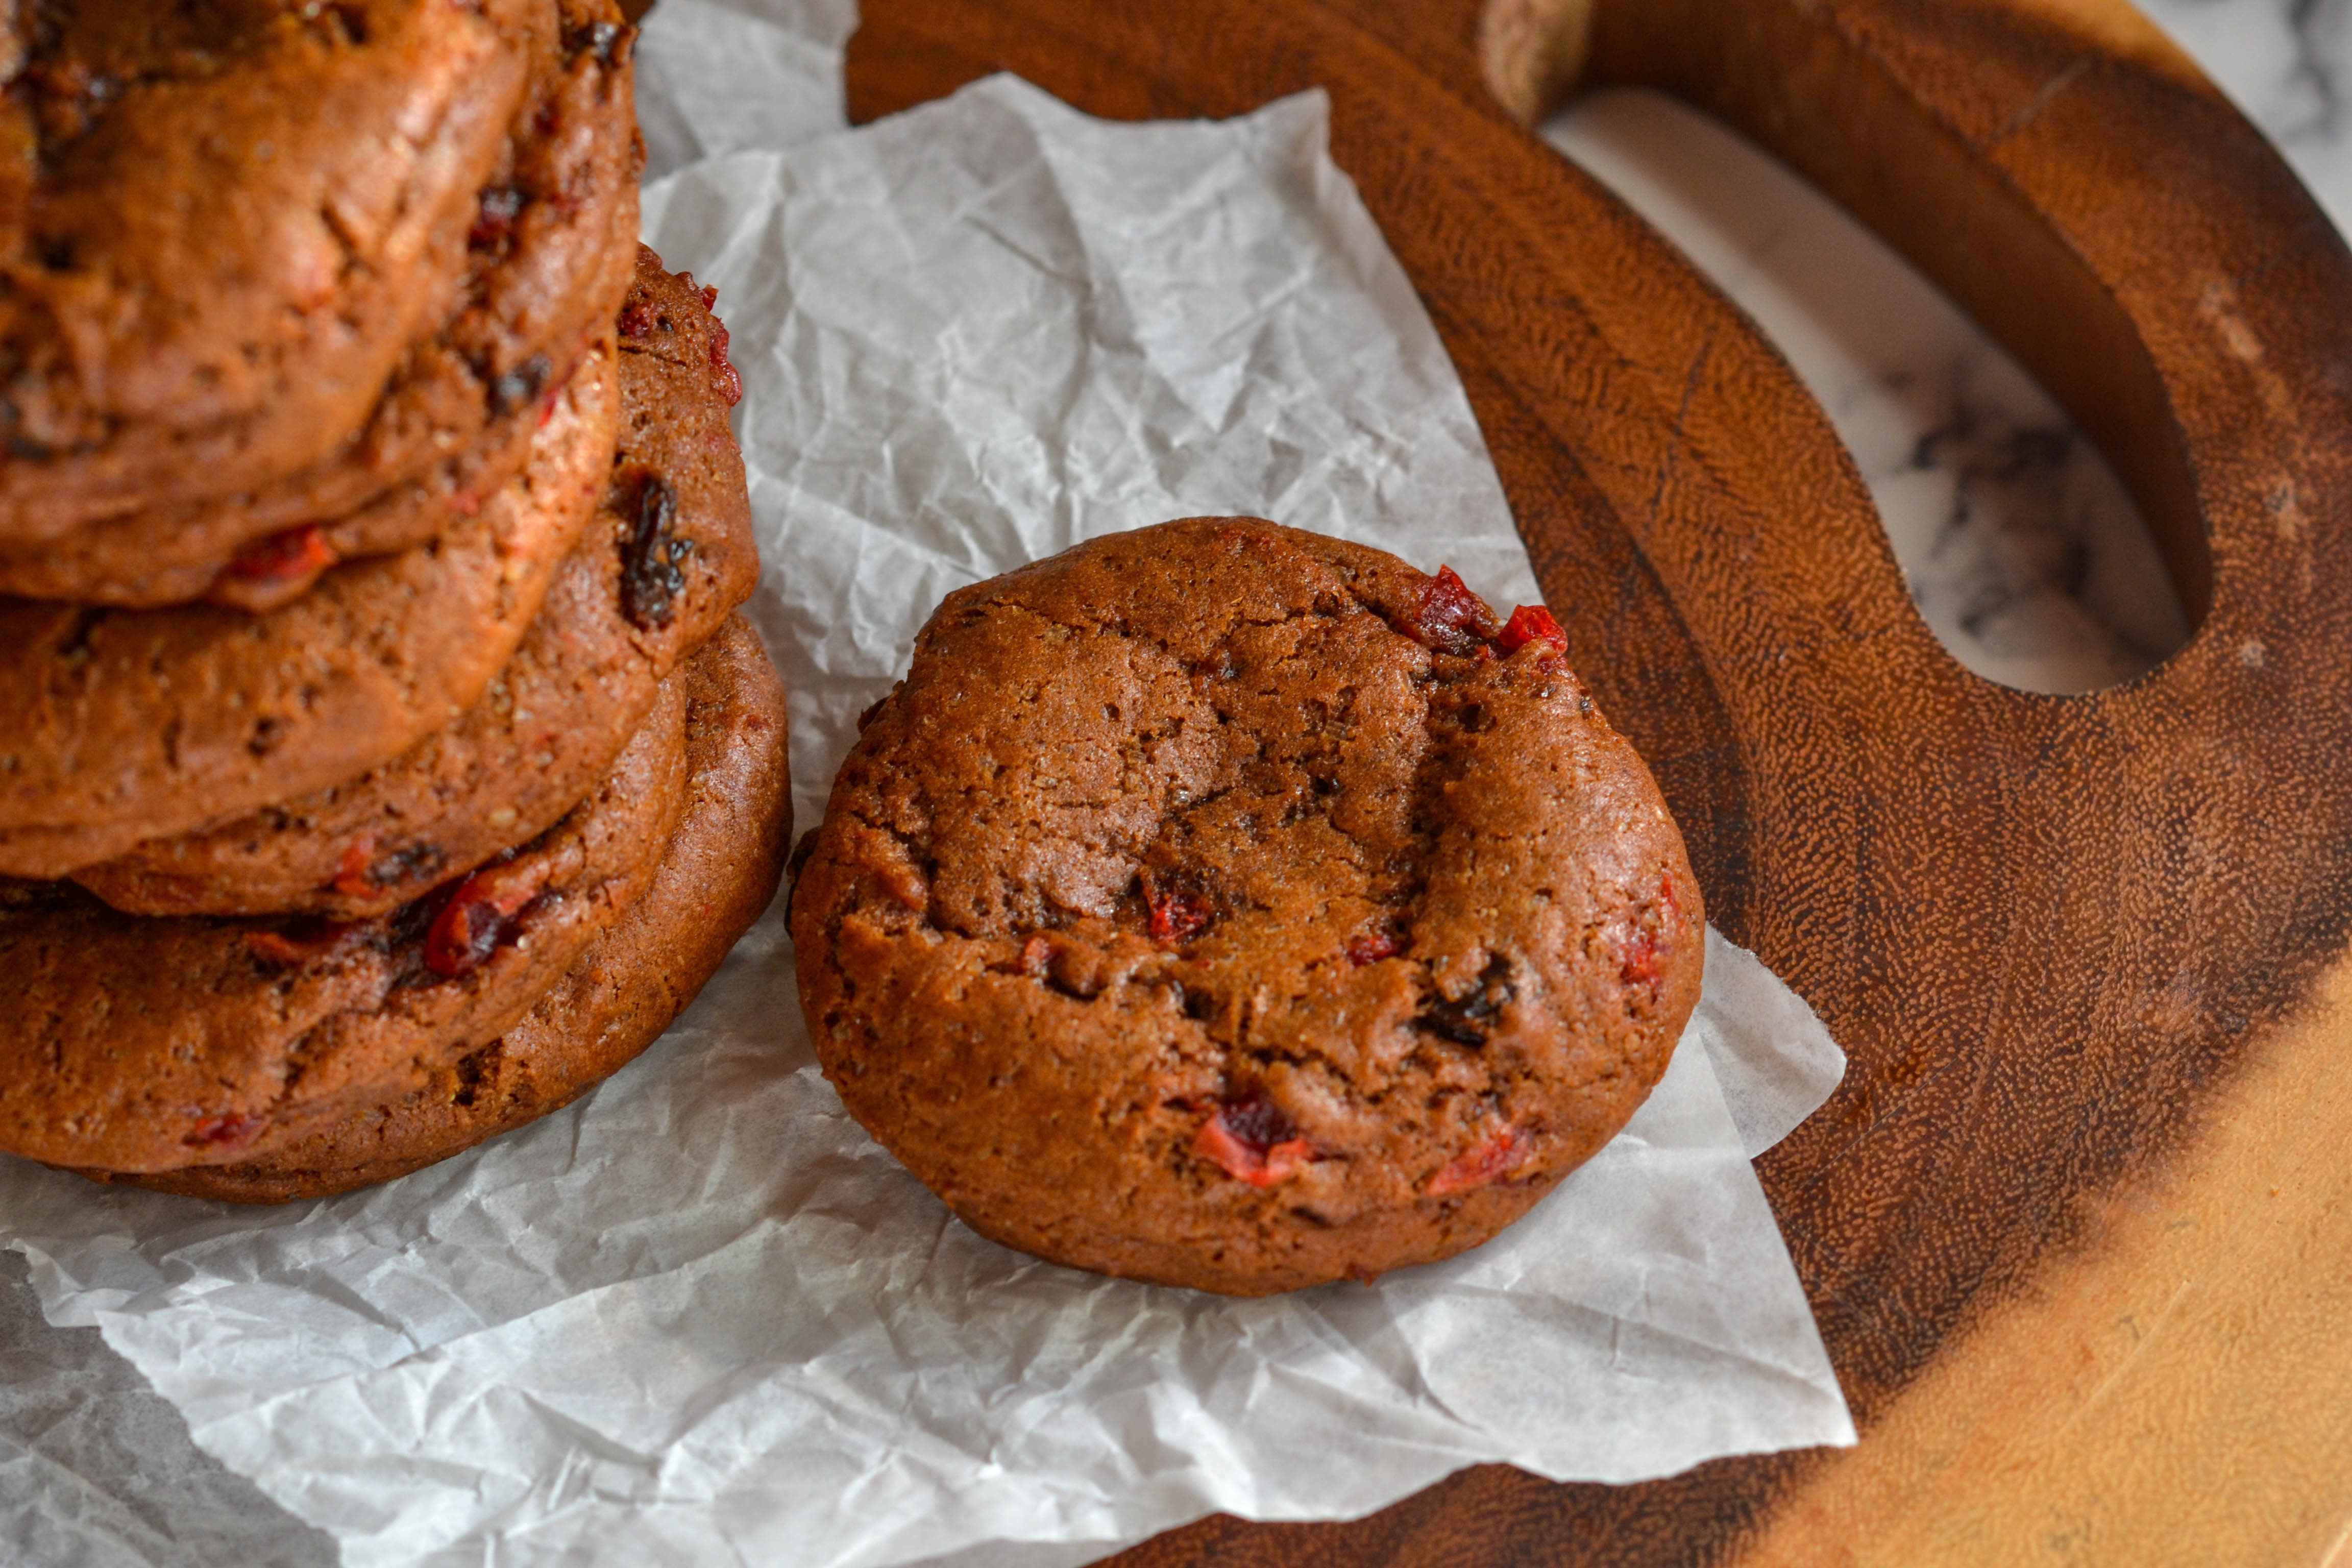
{"x": 2022, "y": 549}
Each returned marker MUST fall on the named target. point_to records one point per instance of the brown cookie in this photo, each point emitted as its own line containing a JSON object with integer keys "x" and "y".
{"x": 1226, "y": 906}
{"x": 718, "y": 874}
{"x": 148, "y": 1045}
{"x": 222, "y": 225}
{"x": 656, "y": 574}
{"x": 551, "y": 250}
{"x": 117, "y": 726}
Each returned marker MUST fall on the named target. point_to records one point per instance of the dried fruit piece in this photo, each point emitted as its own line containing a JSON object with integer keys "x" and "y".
{"x": 653, "y": 558}
{"x": 1466, "y": 1019}
{"x": 351, "y": 879}
{"x": 518, "y": 386}
{"x": 480, "y": 916}
{"x": 722, "y": 369}
{"x": 297, "y": 552}
{"x": 1371, "y": 947}
{"x": 231, "y": 1130}
{"x": 607, "y": 41}
{"x": 298, "y": 943}
{"x": 1451, "y": 618}
{"x": 1252, "y": 1141}
{"x": 1176, "y": 914}
{"x": 1531, "y": 623}
{"x": 639, "y": 319}
{"x": 1643, "y": 965}
{"x": 1486, "y": 1161}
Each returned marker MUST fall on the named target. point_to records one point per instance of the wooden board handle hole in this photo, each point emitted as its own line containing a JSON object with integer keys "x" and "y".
{"x": 2022, "y": 550}
{"x": 1770, "y": 71}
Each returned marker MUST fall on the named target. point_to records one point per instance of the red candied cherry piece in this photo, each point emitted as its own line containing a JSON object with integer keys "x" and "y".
{"x": 305, "y": 941}
{"x": 272, "y": 947}
{"x": 722, "y": 369}
{"x": 1531, "y": 623}
{"x": 1451, "y": 618}
{"x": 231, "y": 1130}
{"x": 1481, "y": 1164}
{"x": 1643, "y": 965}
{"x": 283, "y": 557}
{"x": 1371, "y": 947}
{"x": 1252, "y": 1141}
{"x": 480, "y": 916}
{"x": 1176, "y": 916}
{"x": 351, "y": 879}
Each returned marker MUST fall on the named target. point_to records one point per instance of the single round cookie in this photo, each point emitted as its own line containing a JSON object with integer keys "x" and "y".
{"x": 717, "y": 876}
{"x": 148, "y": 1045}
{"x": 551, "y": 250}
{"x": 123, "y": 725}
{"x": 1225, "y": 906}
{"x": 226, "y": 227}
{"x": 657, "y": 571}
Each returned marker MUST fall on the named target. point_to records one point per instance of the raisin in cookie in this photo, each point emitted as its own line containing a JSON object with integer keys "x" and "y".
{"x": 222, "y": 226}
{"x": 657, "y": 571}
{"x": 718, "y": 874}
{"x": 118, "y": 726}
{"x": 1226, "y": 906}
{"x": 147, "y": 1045}
{"x": 549, "y": 251}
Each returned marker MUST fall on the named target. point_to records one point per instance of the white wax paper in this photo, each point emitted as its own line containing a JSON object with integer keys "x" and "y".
{"x": 729, "y": 76}
{"x": 701, "y": 1316}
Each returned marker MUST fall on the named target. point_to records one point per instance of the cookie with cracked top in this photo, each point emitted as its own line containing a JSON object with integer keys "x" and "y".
{"x": 549, "y": 257}
{"x": 656, "y": 572}
{"x": 716, "y": 876}
{"x": 1226, "y": 906}
{"x": 118, "y": 726}
{"x": 222, "y": 227}
{"x": 149, "y": 1045}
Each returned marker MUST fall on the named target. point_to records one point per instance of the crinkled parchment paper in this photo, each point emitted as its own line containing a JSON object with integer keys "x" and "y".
{"x": 701, "y": 1316}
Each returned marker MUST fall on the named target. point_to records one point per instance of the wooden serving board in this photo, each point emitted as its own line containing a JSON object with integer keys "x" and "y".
{"x": 2075, "y": 1227}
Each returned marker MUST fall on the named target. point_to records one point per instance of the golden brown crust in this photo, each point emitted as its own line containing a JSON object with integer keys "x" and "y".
{"x": 225, "y": 226}
{"x": 550, "y": 258}
{"x": 553, "y": 719}
{"x": 148, "y": 1045}
{"x": 117, "y": 726}
{"x": 1212, "y": 905}
{"x": 717, "y": 874}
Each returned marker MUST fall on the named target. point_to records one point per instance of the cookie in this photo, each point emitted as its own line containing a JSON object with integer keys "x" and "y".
{"x": 656, "y": 572}
{"x": 147, "y": 1045}
{"x": 718, "y": 874}
{"x": 1225, "y": 906}
{"x": 120, "y": 726}
{"x": 551, "y": 251}
{"x": 225, "y": 226}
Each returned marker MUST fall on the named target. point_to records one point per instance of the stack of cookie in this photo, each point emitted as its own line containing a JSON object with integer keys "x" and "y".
{"x": 382, "y": 761}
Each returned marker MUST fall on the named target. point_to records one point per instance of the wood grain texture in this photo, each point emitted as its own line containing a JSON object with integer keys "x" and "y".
{"x": 2077, "y": 948}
